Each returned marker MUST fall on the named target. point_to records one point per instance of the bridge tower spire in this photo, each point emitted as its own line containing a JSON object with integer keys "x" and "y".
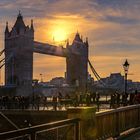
{"x": 6, "y": 30}
{"x": 32, "y": 26}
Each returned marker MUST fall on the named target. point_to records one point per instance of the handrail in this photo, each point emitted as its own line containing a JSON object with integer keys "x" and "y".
{"x": 120, "y": 109}
{"x": 115, "y": 121}
{"x": 107, "y": 124}
{"x": 34, "y": 129}
{"x": 5, "y": 117}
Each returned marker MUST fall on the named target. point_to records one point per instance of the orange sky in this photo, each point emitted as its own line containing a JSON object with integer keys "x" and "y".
{"x": 111, "y": 26}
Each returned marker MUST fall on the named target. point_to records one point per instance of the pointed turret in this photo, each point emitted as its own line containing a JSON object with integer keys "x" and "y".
{"x": 19, "y": 15}
{"x": 6, "y": 29}
{"x": 86, "y": 42}
{"x": 19, "y": 25}
{"x": 67, "y": 43}
{"x": 32, "y": 26}
{"x": 77, "y": 37}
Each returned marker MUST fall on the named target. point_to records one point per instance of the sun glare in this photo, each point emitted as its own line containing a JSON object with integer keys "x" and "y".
{"x": 59, "y": 35}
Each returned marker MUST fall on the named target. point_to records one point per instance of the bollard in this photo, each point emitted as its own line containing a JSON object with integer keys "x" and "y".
{"x": 87, "y": 123}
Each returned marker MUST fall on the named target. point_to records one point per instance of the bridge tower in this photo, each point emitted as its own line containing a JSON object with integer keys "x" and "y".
{"x": 77, "y": 63}
{"x": 19, "y": 56}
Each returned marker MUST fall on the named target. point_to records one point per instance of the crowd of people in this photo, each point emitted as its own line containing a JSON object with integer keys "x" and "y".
{"x": 35, "y": 102}
{"x": 87, "y": 99}
{"x": 14, "y": 102}
{"x": 118, "y": 99}
{"x": 31, "y": 102}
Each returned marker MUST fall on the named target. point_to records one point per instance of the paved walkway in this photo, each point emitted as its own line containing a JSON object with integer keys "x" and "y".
{"x": 135, "y": 136}
{"x": 131, "y": 134}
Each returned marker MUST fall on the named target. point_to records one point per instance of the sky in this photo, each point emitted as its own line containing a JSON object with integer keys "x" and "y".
{"x": 112, "y": 28}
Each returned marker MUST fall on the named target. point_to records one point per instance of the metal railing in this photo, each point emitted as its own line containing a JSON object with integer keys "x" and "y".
{"x": 107, "y": 124}
{"x": 34, "y": 132}
{"x": 112, "y": 123}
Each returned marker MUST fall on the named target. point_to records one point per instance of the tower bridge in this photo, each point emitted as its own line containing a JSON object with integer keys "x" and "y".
{"x": 20, "y": 46}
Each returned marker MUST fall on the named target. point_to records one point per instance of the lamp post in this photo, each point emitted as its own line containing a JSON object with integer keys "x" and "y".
{"x": 33, "y": 96}
{"x": 41, "y": 78}
{"x": 126, "y": 67}
{"x": 77, "y": 85}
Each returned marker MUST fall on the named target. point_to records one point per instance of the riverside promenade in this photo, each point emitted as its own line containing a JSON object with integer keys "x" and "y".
{"x": 135, "y": 136}
{"x": 74, "y": 121}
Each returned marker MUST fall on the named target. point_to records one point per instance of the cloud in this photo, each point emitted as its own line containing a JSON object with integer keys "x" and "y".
{"x": 111, "y": 25}
{"x": 121, "y": 20}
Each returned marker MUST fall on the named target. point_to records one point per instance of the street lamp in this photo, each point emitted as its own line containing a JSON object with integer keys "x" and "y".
{"x": 126, "y": 67}
{"x": 34, "y": 84}
{"x": 33, "y": 94}
{"x": 41, "y": 78}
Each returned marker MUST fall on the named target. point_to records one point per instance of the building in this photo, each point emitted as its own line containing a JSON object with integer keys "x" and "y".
{"x": 19, "y": 56}
{"x": 77, "y": 64}
{"x": 114, "y": 81}
{"x": 58, "y": 81}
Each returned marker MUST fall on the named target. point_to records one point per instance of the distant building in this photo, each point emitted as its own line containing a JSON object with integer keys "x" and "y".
{"x": 58, "y": 81}
{"x": 116, "y": 81}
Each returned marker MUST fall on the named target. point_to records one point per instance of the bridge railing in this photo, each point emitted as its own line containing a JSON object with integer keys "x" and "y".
{"x": 60, "y": 130}
{"x": 113, "y": 122}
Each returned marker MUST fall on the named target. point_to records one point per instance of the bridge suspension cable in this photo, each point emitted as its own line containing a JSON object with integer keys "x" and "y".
{"x": 2, "y": 52}
{"x": 96, "y": 74}
{"x": 3, "y": 61}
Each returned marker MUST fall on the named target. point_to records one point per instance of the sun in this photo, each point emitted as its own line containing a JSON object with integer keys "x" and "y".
{"x": 59, "y": 35}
